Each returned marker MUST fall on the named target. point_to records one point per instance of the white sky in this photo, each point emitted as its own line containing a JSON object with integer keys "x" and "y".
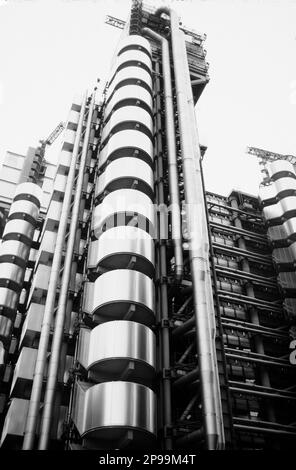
{"x": 52, "y": 49}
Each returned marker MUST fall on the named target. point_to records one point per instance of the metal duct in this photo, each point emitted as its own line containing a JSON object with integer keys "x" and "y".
{"x": 62, "y": 304}
{"x": 32, "y": 416}
{"x": 172, "y": 153}
{"x": 198, "y": 241}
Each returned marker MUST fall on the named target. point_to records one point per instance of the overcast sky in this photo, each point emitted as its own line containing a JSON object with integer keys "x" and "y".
{"x": 53, "y": 49}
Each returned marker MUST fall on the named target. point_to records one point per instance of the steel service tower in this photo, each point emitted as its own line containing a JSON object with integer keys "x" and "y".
{"x": 138, "y": 311}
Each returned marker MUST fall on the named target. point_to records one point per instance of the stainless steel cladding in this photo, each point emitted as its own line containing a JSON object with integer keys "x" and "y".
{"x": 280, "y": 168}
{"x": 120, "y": 267}
{"x": 120, "y": 247}
{"x": 127, "y": 143}
{"x": 19, "y": 227}
{"x": 15, "y": 248}
{"x": 134, "y": 92}
{"x": 118, "y": 349}
{"x": 280, "y": 214}
{"x": 14, "y": 251}
{"x": 105, "y": 413}
{"x": 123, "y": 203}
{"x": 120, "y": 294}
{"x": 284, "y": 209}
{"x": 126, "y": 172}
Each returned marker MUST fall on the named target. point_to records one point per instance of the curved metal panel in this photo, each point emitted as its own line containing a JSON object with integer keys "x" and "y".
{"x": 129, "y": 72}
{"x": 132, "y": 299}
{"x": 24, "y": 207}
{"x": 108, "y": 410}
{"x": 134, "y": 92}
{"x": 123, "y": 202}
{"x": 134, "y": 40}
{"x": 280, "y": 166}
{"x": 14, "y": 248}
{"x": 285, "y": 185}
{"x": 285, "y": 208}
{"x": 268, "y": 194}
{"x": 8, "y": 298}
{"x": 29, "y": 188}
{"x": 273, "y": 212}
{"x": 127, "y": 113}
{"x": 290, "y": 228}
{"x": 117, "y": 350}
{"x": 131, "y": 55}
{"x": 126, "y": 172}
{"x": 123, "y": 140}
{"x": 19, "y": 226}
{"x": 118, "y": 245}
{"x": 12, "y": 272}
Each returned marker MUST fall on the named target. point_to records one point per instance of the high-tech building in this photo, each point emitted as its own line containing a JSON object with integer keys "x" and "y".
{"x": 137, "y": 310}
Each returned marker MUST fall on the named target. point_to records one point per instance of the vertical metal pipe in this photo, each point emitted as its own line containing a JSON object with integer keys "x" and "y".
{"x": 209, "y": 290}
{"x": 34, "y": 405}
{"x": 198, "y": 242}
{"x": 60, "y": 316}
{"x": 164, "y": 339}
{"x": 219, "y": 324}
{"x": 172, "y": 152}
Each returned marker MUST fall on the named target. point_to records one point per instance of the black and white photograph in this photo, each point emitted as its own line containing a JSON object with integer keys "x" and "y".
{"x": 147, "y": 229}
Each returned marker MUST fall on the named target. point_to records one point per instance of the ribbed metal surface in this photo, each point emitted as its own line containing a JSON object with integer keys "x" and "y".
{"x": 123, "y": 406}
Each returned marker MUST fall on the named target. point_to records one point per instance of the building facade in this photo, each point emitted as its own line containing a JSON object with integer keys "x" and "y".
{"x": 138, "y": 310}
